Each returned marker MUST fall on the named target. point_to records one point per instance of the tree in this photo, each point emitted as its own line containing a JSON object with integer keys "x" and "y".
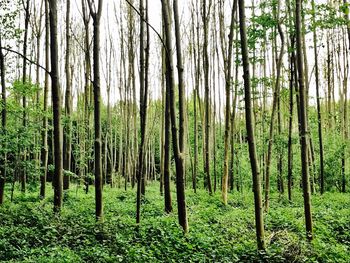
{"x": 205, "y": 17}
{"x": 318, "y": 103}
{"x": 166, "y": 145}
{"x": 180, "y": 150}
{"x": 44, "y": 148}
{"x": 87, "y": 93}
{"x": 179, "y": 161}
{"x": 67, "y": 144}
{"x": 143, "y": 116}
{"x": 3, "y": 123}
{"x": 96, "y": 17}
{"x": 303, "y": 123}
{"x": 259, "y": 220}
{"x": 24, "y": 79}
{"x": 56, "y": 108}
{"x": 276, "y": 95}
{"x": 228, "y": 66}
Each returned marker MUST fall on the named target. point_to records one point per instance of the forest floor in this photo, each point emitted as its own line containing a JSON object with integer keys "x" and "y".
{"x": 29, "y": 232}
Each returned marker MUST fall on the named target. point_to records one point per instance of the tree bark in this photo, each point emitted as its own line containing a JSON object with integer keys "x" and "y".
{"x": 24, "y": 99}
{"x": 276, "y": 95}
{"x": 45, "y": 148}
{"x": 3, "y": 123}
{"x": 319, "y": 118}
{"x": 205, "y": 18}
{"x": 259, "y": 220}
{"x": 179, "y": 164}
{"x": 96, "y": 17}
{"x": 166, "y": 146}
{"x": 290, "y": 124}
{"x": 67, "y": 134}
{"x": 143, "y": 118}
{"x": 303, "y": 123}
{"x": 56, "y": 106}
{"x": 228, "y": 63}
{"x": 180, "y": 148}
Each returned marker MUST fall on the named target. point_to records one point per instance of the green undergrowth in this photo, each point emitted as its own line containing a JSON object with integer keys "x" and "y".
{"x": 30, "y": 232}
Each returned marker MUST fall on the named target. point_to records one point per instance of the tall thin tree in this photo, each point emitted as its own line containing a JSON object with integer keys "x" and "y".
{"x": 56, "y": 107}
{"x": 3, "y": 123}
{"x": 228, "y": 73}
{"x": 95, "y": 13}
{"x": 259, "y": 220}
{"x": 303, "y": 122}
{"x": 179, "y": 161}
{"x": 67, "y": 144}
{"x": 44, "y": 137}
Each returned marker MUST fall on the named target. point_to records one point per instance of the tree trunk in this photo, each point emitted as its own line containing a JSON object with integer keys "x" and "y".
{"x": 44, "y": 148}
{"x": 303, "y": 123}
{"x": 24, "y": 99}
{"x": 87, "y": 91}
{"x": 3, "y": 124}
{"x": 276, "y": 95}
{"x": 96, "y": 17}
{"x": 319, "y": 119}
{"x": 259, "y": 220}
{"x": 345, "y": 127}
{"x": 180, "y": 149}
{"x": 290, "y": 125}
{"x": 56, "y": 108}
{"x": 228, "y": 62}
{"x": 143, "y": 118}
{"x": 67, "y": 134}
{"x": 179, "y": 164}
{"x": 205, "y": 17}
{"x": 166, "y": 146}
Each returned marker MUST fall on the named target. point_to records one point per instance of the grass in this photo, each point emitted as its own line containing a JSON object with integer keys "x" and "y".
{"x": 30, "y": 232}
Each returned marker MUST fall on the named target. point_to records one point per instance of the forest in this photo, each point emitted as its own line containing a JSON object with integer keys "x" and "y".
{"x": 174, "y": 131}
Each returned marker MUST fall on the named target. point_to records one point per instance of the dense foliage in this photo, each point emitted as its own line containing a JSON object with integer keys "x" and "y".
{"x": 29, "y": 232}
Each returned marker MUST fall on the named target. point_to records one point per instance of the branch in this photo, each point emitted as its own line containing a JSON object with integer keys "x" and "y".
{"x": 148, "y": 24}
{"x": 92, "y": 9}
{"x": 29, "y": 60}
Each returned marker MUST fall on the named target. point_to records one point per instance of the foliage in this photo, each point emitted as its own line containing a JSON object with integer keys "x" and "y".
{"x": 29, "y": 232}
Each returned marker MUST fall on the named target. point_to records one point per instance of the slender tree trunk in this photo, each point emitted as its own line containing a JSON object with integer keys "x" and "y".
{"x": 233, "y": 119}
{"x": 24, "y": 99}
{"x": 3, "y": 123}
{"x": 179, "y": 164}
{"x": 37, "y": 32}
{"x": 67, "y": 145}
{"x": 259, "y": 219}
{"x": 345, "y": 127}
{"x": 162, "y": 128}
{"x": 166, "y": 146}
{"x": 56, "y": 106}
{"x": 228, "y": 106}
{"x": 96, "y": 17}
{"x": 319, "y": 119}
{"x": 290, "y": 125}
{"x": 195, "y": 92}
{"x": 329, "y": 84}
{"x": 144, "y": 102}
{"x": 87, "y": 91}
{"x": 303, "y": 123}
{"x": 276, "y": 95}
{"x": 205, "y": 17}
{"x": 280, "y": 181}
{"x": 143, "y": 118}
{"x": 180, "y": 154}
{"x": 44, "y": 148}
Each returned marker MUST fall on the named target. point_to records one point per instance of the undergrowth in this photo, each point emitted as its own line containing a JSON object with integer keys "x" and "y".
{"x": 30, "y": 232}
